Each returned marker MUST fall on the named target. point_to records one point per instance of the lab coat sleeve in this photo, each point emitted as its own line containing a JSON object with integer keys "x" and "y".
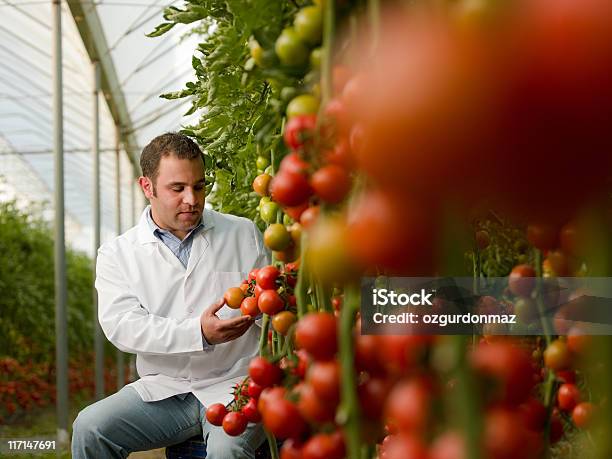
{"x": 129, "y": 325}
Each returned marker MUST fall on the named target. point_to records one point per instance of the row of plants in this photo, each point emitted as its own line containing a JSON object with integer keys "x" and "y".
{"x": 437, "y": 139}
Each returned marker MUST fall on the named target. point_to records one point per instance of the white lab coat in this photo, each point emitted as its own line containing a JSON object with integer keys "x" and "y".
{"x": 150, "y": 305}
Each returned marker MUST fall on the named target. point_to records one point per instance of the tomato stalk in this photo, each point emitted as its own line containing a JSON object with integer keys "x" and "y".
{"x": 272, "y": 444}
{"x": 545, "y": 323}
{"x": 329, "y": 25}
{"x": 301, "y": 287}
{"x": 349, "y": 408}
{"x": 263, "y": 337}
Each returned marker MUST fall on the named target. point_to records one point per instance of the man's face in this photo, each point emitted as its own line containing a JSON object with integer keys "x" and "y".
{"x": 177, "y": 196}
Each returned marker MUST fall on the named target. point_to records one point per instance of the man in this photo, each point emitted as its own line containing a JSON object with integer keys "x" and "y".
{"x": 153, "y": 284}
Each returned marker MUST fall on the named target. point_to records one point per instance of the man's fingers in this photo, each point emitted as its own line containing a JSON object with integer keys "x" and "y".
{"x": 235, "y": 322}
{"x": 213, "y": 308}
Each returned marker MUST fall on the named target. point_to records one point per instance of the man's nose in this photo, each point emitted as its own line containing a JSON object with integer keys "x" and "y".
{"x": 189, "y": 197}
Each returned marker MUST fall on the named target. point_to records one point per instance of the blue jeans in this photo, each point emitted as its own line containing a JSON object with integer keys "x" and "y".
{"x": 123, "y": 423}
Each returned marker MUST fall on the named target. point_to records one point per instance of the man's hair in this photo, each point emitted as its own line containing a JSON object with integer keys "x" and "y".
{"x": 170, "y": 143}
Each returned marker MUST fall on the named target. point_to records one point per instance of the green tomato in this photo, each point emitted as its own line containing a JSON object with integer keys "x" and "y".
{"x": 290, "y": 49}
{"x": 305, "y": 104}
{"x": 308, "y": 24}
{"x": 262, "y": 162}
{"x": 268, "y": 211}
{"x": 315, "y": 58}
{"x": 287, "y": 220}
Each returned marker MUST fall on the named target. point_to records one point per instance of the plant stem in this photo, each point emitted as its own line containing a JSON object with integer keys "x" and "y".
{"x": 545, "y": 324}
{"x": 263, "y": 337}
{"x": 272, "y": 445}
{"x": 329, "y": 25}
{"x": 301, "y": 287}
{"x": 349, "y": 409}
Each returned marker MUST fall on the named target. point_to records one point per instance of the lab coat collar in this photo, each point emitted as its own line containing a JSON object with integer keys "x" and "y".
{"x": 146, "y": 235}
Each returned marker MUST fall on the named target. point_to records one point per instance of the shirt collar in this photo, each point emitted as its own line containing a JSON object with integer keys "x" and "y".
{"x": 157, "y": 231}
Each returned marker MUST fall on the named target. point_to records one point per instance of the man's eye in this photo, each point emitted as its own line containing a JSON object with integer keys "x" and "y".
{"x": 178, "y": 189}
{"x": 199, "y": 187}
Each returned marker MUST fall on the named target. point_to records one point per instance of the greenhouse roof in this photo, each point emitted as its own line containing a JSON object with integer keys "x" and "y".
{"x": 135, "y": 71}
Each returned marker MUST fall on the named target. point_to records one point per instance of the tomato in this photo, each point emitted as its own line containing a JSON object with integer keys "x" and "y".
{"x": 570, "y": 242}
{"x": 577, "y": 341}
{"x": 266, "y": 277}
{"x": 568, "y": 396}
{"x": 309, "y": 216}
{"x": 353, "y": 91}
{"x": 264, "y": 372}
{"x": 340, "y": 155}
{"x": 276, "y": 237}
{"x": 328, "y": 254}
{"x": 270, "y": 395}
{"x": 290, "y": 189}
{"x": 295, "y": 230}
{"x": 399, "y": 353}
{"x": 291, "y": 51}
{"x": 291, "y": 449}
{"x": 294, "y": 164}
{"x": 261, "y": 184}
{"x": 245, "y": 288}
{"x": 304, "y": 104}
{"x": 311, "y": 407}
{"x": 215, "y": 414}
{"x": 308, "y": 24}
{"x": 315, "y": 59}
{"x": 282, "y": 419}
{"x": 504, "y": 435}
{"x": 366, "y": 354}
{"x": 407, "y": 406}
{"x": 526, "y": 310}
{"x": 282, "y": 321}
{"x": 542, "y": 236}
{"x": 337, "y": 303}
{"x": 509, "y": 366}
{"x": 316, "y": 333}
{"x": 582, "y": 414}
{"x": 521, "y": 280}
{"x": 249, "y": 307}
{"x": 392, "y": 233}
{"x": 250, "y": 411}
{"x": 557, "y": 356}
{"x": 402, "y": 446}
{"x": 234, "y": 423}
{"x": 324, "y": 377}
{"x": 295, "y": 212}
{"x": 534, "y": 414}
{"x": 233, "y": 297}
{"x": 559, "y": 263}
{"x": 268, "y": 211}
{"x": 304, "y": 361}
{"x": 253, "y": 274}
{"x": 556, "y": 428}
{"x": 257, "y": 291}
{"x": 262, "y": 162}
{"x": 270, "y": 302}
{"x": 566, "y": 376}
{"x": 254, "y": 389}
{"x": 449, "y": 445}
{"x": 300, "y": 131}
{"x": 336, "y": 113}
{"x": 324, "y": 446}
{"x": 331, "y": 183}
{"x": 372, "y": 394}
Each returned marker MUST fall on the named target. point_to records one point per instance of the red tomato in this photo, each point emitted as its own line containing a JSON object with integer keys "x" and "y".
{"x": 290, "y": 189}
{"x": 294, "y": 164}
{"x": 250, "y": 411}
{"x": 402, "y": 446}
{"x": 266, "y": 277}
{"x": 291, "y": 449}
{"x": 340, "y": 155}
{"x": 282, "y": 419}
{"x": 324, "y": 446}
{"x": 534, "y": 414}
{"x": 324, "y": 377}
{"x": 449, "y": 445}
{"x": 270, "y": 395}
{"x": 309, "y": 216}
{"x": 317, "y": 333}
{"x": 407, "y": 406}
{"x": 542, "y": 236}
{"x": 372, "y": 394}
{"x": 340, "y": 76}
{"x": 253, "y": 274}
{"x": 215, "y": 414}
{"x": 509, "y": 366}
{"x": 249, "y": 307}
{"x": 504, "y": 435}
{"x": 521, "y": 280}
{"x": 331, "y": 183}
{"x": 577, "y": 342}
{"x": 254, "y": 389}
{"x": 264, "y": 372}
{"x": 566, "y": 376}
{"x": 568, "y": 396}
{"x": 556, "y": 428}
{"x": 300, "y": 131}
{"x": 234, "y": 423}
{"x": 569, "y": 236}
{"x": 582, "y": 414}
{"x": 366, "y": 354}
{"x": 336, "y": 113}
{"x": 296, "y": 212}
{"x": 313, "y": 408}
{"x": 270, "y": 302}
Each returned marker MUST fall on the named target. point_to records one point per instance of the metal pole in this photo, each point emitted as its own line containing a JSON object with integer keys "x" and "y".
{"x": 120, "y": 373}
{"x": 61, "y": 328}
{"x": 98, "y": 335}
{"x": 133, "y": 371}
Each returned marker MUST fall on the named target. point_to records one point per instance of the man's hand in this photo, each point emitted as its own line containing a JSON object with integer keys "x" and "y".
{"x": 218, "y": 331}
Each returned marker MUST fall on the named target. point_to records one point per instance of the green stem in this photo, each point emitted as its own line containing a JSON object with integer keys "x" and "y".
{"x": 468, "y": 402}
{"x": 539, "y": 301}
{"x": 263, "y": 337}
{"x": 329, "y": 25}
{"x": 301, "y": 287}
{"x": 349, "y": 409}
{"x": 272, "y": 445}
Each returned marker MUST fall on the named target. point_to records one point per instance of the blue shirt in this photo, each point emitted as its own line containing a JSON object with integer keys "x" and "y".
{"x": 181, "y": 249}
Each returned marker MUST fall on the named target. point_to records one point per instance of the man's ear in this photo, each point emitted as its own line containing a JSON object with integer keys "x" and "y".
{"x": 147, "y": 187}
